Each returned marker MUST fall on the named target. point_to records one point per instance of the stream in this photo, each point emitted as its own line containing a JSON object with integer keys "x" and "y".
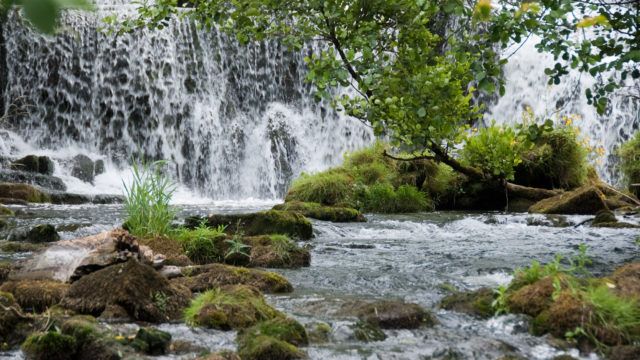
{"x": 407, "y": 257}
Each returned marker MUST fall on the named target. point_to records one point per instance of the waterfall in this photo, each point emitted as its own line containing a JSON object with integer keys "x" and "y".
{"x": 526, "y": 86}
{"x": 233, "y": 121}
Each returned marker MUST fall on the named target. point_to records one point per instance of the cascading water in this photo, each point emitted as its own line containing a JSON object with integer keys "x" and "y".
{"x": 236, "y": 122}
{"x": 526, "y": 86}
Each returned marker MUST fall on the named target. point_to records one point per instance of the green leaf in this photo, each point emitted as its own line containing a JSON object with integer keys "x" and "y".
{"x": 422, "y": 112}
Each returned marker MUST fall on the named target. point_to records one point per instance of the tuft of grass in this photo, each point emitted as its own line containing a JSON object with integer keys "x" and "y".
{"x": 616, "y": 314}
{"x": 383, "y": 198}
{"x": 147, "y": 198}
{"x": 327, "y": 188}
{"x": 282, "y": 246}
{"x": 199, "y": 244}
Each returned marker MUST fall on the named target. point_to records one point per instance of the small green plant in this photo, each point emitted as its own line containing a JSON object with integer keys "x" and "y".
{"x": 499, "y": 304}
{"x": 282, "y": 246}
{"x": 199, "y": 243}
{"x": 160, "y": 299}
{"x": 236, "y": 247}
{"x": 147, "y": 201}
{"x": 494, "y": 149}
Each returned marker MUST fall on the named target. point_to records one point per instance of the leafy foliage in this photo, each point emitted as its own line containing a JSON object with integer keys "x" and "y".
{"x": 146, "y": 204}
{"x": 44, "y": 14}
{"x": 630, "y": 162}
{"x": 494, "y": 149}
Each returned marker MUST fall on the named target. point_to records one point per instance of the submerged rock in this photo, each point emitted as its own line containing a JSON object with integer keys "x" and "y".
{"x": 36, "y": 164}
{"x": 152, "y": 341}
{"x": 230, "y": 307}
{"x": 320, "y": 212}
{"x": 207, "y": 277}
{"x": 390, "y": 314}
{"x": 585, "y": 200}
{"x": 477, "y": 303}
{"x": 43, "y": 233}
{"x": 607, "y": 219}
{"x": 36, "y": 295}
{"x": 138, "y": 288}
{"x": 260, "y": 223}
{"x": 22, "y": 192}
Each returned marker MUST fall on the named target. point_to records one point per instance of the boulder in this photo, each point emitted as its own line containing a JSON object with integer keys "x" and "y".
{"x": 230, "y": 307}
{"x": 272, "y": 339}
{"x": 43, "y": 233}
{"x": 476, "y": 303}
{"x": 83, "y": 168}
{"x": 22, "y": 192}
{"x": 35, "y": 179}
{"x": 585, "y": 200}
{"x": 36, "y": 164}
{"x": 269, "y": 222}
{"x": 281, "y": 328}
{"x": 91, "y": 343}
{"x": 390, "y": 314}
{"x": 50, "y": 345}
{"x": 151, "y": 341}
{"x": 207, "y": 277}
{"x": 276, "y": 251}
{"x": 36, "y": 295}
{"x": 139, "y": 289}
{"x": 320, "y": 212}
{"x": 98, "y": 167}
{"x": 264, "y": 347}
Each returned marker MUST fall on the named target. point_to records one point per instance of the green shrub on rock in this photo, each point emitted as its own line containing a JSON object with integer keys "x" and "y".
{"x": 264, "y": 347}
{"x": 282, "y": 328}
{"x": 151, "y": 341}
{"x": 229, "y": 307}
{"x": 51, "y": 345}
{"x": 494, "y": 149}
{"x": 331, "y": 187}
{"x": 322, "y": 212}
{"x": 630, "y": 162}
{"x": 202, "y": 244}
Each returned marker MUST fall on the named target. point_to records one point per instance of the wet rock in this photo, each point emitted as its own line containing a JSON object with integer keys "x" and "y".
{"x": 50, "y": 345}
{"x": 138, "y": 288}
{"x": 22, "y": 192}
{"x": 390, "y": 314}
{"x": 206, "y": 277}
{"x": 5, "y": 211}
{"x": 230, "y": 307}
{"x": 585, "y": 200}
{"x": 78, "y": 199}
{"x": 152, "y": 341}
{"x": 20, "y": 247}
{"x": 367, "y": 332}
{"x": 91, "y": 343}
{"x": 115, "y": 313}
{"x": 36, "y": 164}
{"x": 261, "y": 223}
{"x": 98, "y": 167}
{"x": 36, "y": 295}
{"x": 320, "y": 212}
{"x": 83, "y": 168}
{"x": 319, "y": 332}
{"x": 624, "y": 352}
{"x": 265, "y": 340}
{"x": 43, "y": 233}
{"x": 170, "y": 248}
{"x": 35, "y": 179}
{"x": 604, "y": 216}
{"x": 477, "y": 303}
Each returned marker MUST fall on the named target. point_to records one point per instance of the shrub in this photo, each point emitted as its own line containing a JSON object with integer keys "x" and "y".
{"x": 556, "y": 159}
{"x": 328, "y": 188}
{"x": 410, "y": 199}
{"x": 493, "y": 149}
{"x": 384, "y": 199}
{"x": 630, "y": 162}
{"x": 199, "y": 244}
{"x": 146, "y": 204}
{"x": 380, "y": 198}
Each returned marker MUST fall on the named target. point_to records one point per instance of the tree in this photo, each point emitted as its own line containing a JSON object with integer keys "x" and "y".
{"x": 43, "y": 14}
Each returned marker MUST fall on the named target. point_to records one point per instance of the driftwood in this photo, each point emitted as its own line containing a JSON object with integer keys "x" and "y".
{"x": 530, "y": 193}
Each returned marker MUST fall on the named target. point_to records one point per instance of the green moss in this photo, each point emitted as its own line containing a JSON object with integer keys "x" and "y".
{"x": 629, "y": 154}
{"x": 328, "y": 188}
{"x": 229, "y": 307}
{"x": 23, "y": 192}
{"x": 18, "y": 247}
{"x": 319, "y": 332}
{"x": 322, "y": 212}
{"x": 284, "y": 329}
{"x": 36, "y": 295}
{"x": 151, "y": 341}
{"x": 203, "y": 245}
{"x": 81, "y": 327}
{"x": 5, "y": 211}
{"x": 476, "y": 303}
{"x": 268, "y": 222}
{"x": 557, "y": 160}
{"x": 383, "y": 198}
{"x": 263, "y": 347}
{"x": 49, "y": 346}
{"x": 367, "y": 332}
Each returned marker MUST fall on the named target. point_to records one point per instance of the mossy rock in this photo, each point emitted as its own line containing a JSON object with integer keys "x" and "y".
{"x": 585, "y": 200}
{"x": 5, "y": 211}
{"x": 8, "y": 314}
{"x": 321, "y": 212}
{"x": 5, "y": 269}
{"x": 151, "y": 341}
{"x": 35, "y": 164}
{"x": 391, "y": 314}
{"x": 477, "y": 303}
{"x": 268, "y": 222}
{"x": 319, "y": 332}
{"x": 367, "y": 332}
{"x": 49, "y": 346}
{"x": 230, "y": 307}
{"x": 604, "y": 216}
{"x": 223, "y": 355}
{"x": 42, "y": 233}
{"x": 624, "y": 352}
{"x": 207, "y": 277}
{"x": 263, "y": 347}
{"x": 36, "y": 295}
{"x": 91, "y": 342}
{"x": 20, "y": 247}
{"x": 532, "y": 299}
{"x": 281, "y": 328}
{"x": 139, "y": 289}
{"x": 276, "y": 251}
{"x": 23, "y": 192}
{"x": 170, "y": 248}
{"x": 627, "y": 281}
